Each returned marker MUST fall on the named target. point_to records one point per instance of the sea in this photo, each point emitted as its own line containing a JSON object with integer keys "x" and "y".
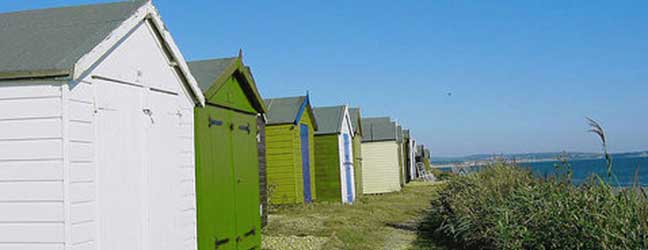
{"x": 626, "y": 170}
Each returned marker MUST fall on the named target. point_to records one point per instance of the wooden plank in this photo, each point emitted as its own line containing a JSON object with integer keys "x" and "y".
{"x": 32, "y": 232}
{"x": 32, "y": 212}
{"x": 81, "y": 112}
{"x": 31, "y": 170}
{"x": 82, "y": 171}
{"x": 30, "y": 150}
{"x": 83, "y": 232}
{"x": 30, "y": 108}
{"x": 81, "y": 152}
{"x": 32, "y": 246}
{"x": 30, "y": 90}
{"x": 83, "y": 212}
{"x": 31, "y": 191}
{"x": 81, "y": 131}
{"x": 88, "y": 245}
{"x": 30, "y": 129}
{"x": 82, "y": 91}
{"x": 82, "y": 192}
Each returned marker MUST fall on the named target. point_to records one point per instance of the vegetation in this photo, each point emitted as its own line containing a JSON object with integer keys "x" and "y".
{"x": 441, "y": 175}
{"x": 506, "y": 207}
{"x": 386, "y": 221}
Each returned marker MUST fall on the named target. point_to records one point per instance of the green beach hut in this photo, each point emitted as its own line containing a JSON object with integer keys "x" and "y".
{"x": 334, "y": 155}
{"x": 290, "y": 153}
{"x": 356, "y": 122}
{"x": 401, "y": 153}
{"x": 227, "y": 162}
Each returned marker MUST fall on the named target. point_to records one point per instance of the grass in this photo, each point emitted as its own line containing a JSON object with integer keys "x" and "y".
{"x": 387, "y": 221}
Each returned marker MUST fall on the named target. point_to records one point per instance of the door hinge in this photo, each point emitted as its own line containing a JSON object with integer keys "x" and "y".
{"x": 213, "y": 122}
{"x": 245, "y": 128}
{"x": 219, "y": 243}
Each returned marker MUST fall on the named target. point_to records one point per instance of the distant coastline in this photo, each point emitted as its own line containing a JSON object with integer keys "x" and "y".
{"x": 484, "y": 159}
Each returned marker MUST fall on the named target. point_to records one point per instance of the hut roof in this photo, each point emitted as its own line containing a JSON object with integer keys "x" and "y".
{"x": 288, "y": 110}
{"x": 211, "y": 75}
{"x": 378, "y": 129}
{"x": 356, "y": 122}
{"x": 51, "y": 41}
{"x": 329, "y": 119}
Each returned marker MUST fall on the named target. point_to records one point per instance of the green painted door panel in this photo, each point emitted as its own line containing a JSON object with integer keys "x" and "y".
{"x": 357, "y": 164}
{"x": 232, "y": 95}
{"x": 246, "y": 168}
{"x": 327, "y": 168}
{"x": 214, "y": 180}
{"x": 227, "y": 180}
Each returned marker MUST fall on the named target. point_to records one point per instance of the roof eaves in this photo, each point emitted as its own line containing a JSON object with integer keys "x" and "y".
{"x": 63, "y": 73}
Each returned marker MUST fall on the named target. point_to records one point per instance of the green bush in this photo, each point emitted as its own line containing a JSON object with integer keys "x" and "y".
{"x": 441, "y": 175}
{"x": 507, "y": 207}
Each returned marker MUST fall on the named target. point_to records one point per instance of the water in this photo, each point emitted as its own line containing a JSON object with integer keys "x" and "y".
{"x": 623, "y": 168}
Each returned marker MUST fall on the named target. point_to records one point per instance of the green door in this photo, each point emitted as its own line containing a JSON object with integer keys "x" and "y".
{"x": 246, "y": 169}
{"x": 227, "y": 180}
{"x": 214, "y": 180}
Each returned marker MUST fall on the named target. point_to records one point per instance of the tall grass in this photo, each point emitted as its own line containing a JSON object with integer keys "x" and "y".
{"x": 506, "y": 207}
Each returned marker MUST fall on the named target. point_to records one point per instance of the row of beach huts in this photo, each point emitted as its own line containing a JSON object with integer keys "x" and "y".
{"x": 110, "y": 139}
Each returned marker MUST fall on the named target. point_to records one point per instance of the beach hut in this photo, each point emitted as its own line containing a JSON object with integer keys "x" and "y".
{"x": 380, "y": 156}
{"x": 227, "y": 163}
{"x": 410, "y": 151}
{"x": 96, "y": 130}
{"x": 356, "y": 122}
{"x": 263, "y": 178}
{"x": 401, "y": 153}
{"x": 290, "y": 155}
{"x": 333, "y": 155}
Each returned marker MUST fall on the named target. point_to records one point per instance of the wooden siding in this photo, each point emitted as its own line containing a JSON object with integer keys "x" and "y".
{"x": 263, "y": 183}
{"x": 357, "y": 164}
{"x": 282, "y": 169}
{"x": 327, "y": 167}
{"x": 381, "y": 172}
{"x": 284, "y": 162}
{"x": 307, "y": 119}
{"x": 79, "y": 115}
{"x": 32, "y": 175}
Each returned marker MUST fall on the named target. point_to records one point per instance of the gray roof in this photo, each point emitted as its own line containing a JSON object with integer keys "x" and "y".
{"x": 283, "y": 110}
{"x": 399, "y": 133}
{"x": 53, "y": 40}
{"x": 378, "y": 129}
{"x": 355, "y": 116}
{"x": 329, "y": 119}
{"x": 207, "y": 71}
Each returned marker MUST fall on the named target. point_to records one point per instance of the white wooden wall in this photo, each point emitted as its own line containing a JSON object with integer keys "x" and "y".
{"x": 346, "y": 129}
{"x": 380, "y": 170}
{"x": 32, "y": 210}
{"x": 54, "y": 170}
{"x": 136, "y": 76}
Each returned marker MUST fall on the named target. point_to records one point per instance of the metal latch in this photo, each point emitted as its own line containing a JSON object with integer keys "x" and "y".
{"x": 149, "y": 113}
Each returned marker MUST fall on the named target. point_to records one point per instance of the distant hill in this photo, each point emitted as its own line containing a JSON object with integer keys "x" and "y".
{"x": 533, "y": 156}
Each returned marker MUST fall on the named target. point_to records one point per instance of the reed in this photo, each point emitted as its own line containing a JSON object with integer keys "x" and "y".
{"x": 504, "y": 206}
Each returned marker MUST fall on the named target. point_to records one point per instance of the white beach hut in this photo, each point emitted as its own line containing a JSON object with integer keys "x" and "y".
{"x": 96, "y": 131}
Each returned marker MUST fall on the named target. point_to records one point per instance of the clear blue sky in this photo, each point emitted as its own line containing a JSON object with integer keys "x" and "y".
{"x": 523, "y": 74}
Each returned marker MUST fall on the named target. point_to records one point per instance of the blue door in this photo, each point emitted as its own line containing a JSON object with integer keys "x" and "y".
{"x": 305, "y": 162}
{"x": 347, "y": 167}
